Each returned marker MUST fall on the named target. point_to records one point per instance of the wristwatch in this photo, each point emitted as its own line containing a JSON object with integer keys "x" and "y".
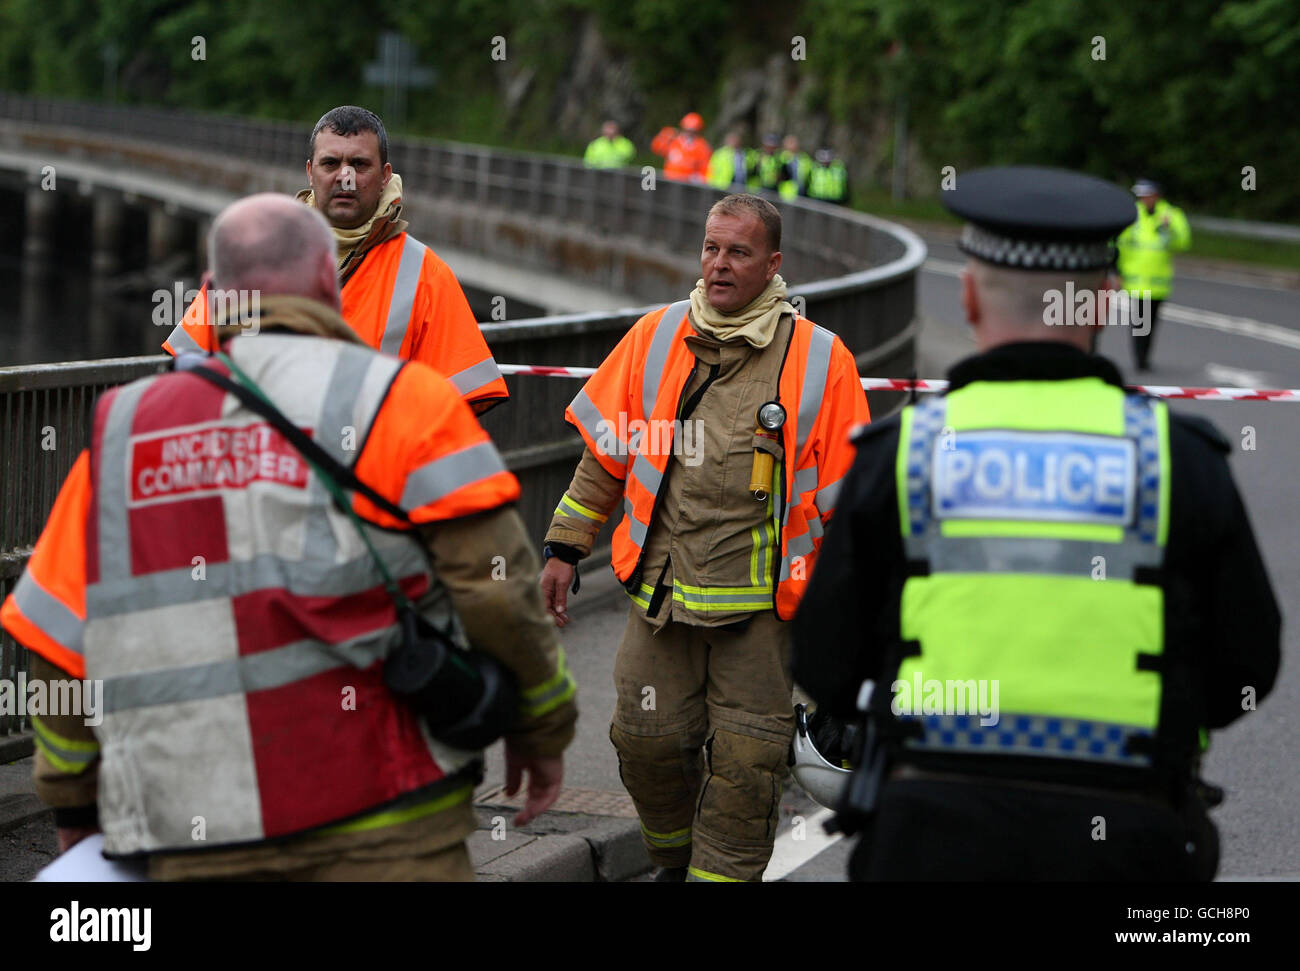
{"x": 566, "y": 554}
{"x": 562, "y": 552}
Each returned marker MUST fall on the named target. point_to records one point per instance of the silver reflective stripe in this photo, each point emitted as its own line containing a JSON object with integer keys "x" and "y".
{"x": 316, "y": 575}
{"x": 402, "y": 301}
{"x": 814, "y": 384}
{"x": 476, "y": 376}
{"x": 594, "y": 424}
{"x": 48, "y": 613}
{"x": 805, "y": 480}
{"x": 828, "y": 495}
{"x": 798, "y": 546}
{"x": 182, "y": 343}
{"x": 657, "y": 356}
{"x": 441, "y": 477}
{"x": 1031, "y": 554}
{"x": 352, "y": 397}
{"x": 645, "y": 472}
{"x": 114, "y": 537}
{"x": 815, "y": 529}
{"x": 637, "y": 529}
{"x": 248, "y": 673}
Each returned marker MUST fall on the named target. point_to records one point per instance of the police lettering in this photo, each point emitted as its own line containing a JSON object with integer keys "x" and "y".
{"x": 1035, "y": 476}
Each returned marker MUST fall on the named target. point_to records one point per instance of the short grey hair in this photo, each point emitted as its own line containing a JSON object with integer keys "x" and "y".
{"x": 261, "y": 240}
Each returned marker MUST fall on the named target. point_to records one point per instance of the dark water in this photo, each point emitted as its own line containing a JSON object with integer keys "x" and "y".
{"x": 54, "y": 313}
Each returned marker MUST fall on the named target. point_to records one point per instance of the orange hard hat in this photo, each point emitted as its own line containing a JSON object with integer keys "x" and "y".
{"x": 692, "y": 121}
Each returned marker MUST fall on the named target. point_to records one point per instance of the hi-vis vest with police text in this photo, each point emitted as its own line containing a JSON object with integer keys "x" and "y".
{"x": 380, "y": 302}
{"x": 1034, "y": 515}
{"x": 235, "y": 616}
{"x": 643, "y": 380}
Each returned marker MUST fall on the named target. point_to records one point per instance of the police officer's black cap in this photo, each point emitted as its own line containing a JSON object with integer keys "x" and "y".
{"x": 1031, "y": 218}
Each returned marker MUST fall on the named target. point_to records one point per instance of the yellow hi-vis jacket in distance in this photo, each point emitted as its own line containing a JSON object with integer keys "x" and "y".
{"x": 1146, "y": 249}
{"x": 643, "y": 380}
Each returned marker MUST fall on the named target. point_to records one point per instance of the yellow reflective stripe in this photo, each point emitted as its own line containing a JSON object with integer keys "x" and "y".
{"x": 639, "y": 601}
{"x": 705, "y": 591}
{"x": 695, "y": 875}
{"x": 68, "y": 761}
{"x": 551, "y": 693}
{"x": 678, "y": 837}
{"x": 705, "y": 606}
{"x": 753, "y": 556}
{"x": 392, "y": 817}
{"x": 705, "y": 599}
{"x": 567, "y": 503}
{"x": 71, "y": 744}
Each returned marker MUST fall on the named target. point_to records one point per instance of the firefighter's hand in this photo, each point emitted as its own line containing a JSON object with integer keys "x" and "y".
{"x": 557, "y": 577}
{"x": 545, "y": 775}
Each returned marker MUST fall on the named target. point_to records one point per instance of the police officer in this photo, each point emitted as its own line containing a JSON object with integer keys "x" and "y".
{"x": 1146, "y": 262}
{"x": 1052, "y": 585}
{"x": 829, "y": 180}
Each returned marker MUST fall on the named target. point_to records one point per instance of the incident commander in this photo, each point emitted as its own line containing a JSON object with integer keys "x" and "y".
{"x": 238, "y": 621}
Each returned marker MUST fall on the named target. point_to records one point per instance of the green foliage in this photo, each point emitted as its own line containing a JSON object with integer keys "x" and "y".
{"x": 1188, "y": 93}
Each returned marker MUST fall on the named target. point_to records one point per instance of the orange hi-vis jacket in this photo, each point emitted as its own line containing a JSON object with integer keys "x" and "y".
{"x": 637, "y": 391}
{"x": 686, "y": 156}
{"x": 402, "y": 300}
{"x": 194, "y": 566}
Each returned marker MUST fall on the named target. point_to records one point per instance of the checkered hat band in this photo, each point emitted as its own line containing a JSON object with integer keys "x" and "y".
{"x": 1032, "y": 254}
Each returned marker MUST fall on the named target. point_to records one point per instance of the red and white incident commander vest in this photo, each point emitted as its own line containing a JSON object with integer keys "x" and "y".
{"x": 235, "y": 616}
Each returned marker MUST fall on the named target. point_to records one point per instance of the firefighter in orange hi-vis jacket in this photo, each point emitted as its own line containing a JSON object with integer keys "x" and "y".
{"x": 396, "y": 293}
{"x": 719, "y": 427}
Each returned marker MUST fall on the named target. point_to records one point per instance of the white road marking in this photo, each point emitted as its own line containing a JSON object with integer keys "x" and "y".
{"x": 1241, "y": 326}
{"x": 1221, "y": 374}
{"x": 1208, "y": 319}
{"x": 789, "y": 854}
{"x": 945, "y": 267}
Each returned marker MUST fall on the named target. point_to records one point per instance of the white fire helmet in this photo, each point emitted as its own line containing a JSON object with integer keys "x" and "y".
{"x": 822, "y": 781}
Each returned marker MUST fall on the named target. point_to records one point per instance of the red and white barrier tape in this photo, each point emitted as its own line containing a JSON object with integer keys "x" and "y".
{"x": 929, "y": 386}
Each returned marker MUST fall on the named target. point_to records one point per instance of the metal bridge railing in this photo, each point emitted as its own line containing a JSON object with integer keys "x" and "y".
{"x": 861, "y": 274}
{"x": 45, "y": 414}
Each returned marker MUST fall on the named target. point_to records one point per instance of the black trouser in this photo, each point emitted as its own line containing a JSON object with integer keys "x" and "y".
{"x": 1144, "y": 343}
{"x": 932, "y": 830}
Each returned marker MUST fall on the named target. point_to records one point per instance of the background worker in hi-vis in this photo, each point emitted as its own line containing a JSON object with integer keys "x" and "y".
{"x": 714, "y": 566}
{"x": 1146, "y": 262}
{"x": 1039, "y": 530}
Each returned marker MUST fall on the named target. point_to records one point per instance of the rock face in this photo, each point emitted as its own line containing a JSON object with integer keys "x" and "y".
{"x": 598, "y": 87}
{"x": 779, "y": 95}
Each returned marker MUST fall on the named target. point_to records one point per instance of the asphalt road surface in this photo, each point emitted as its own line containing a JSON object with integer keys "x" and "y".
{"x": 1212, "y": 333}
